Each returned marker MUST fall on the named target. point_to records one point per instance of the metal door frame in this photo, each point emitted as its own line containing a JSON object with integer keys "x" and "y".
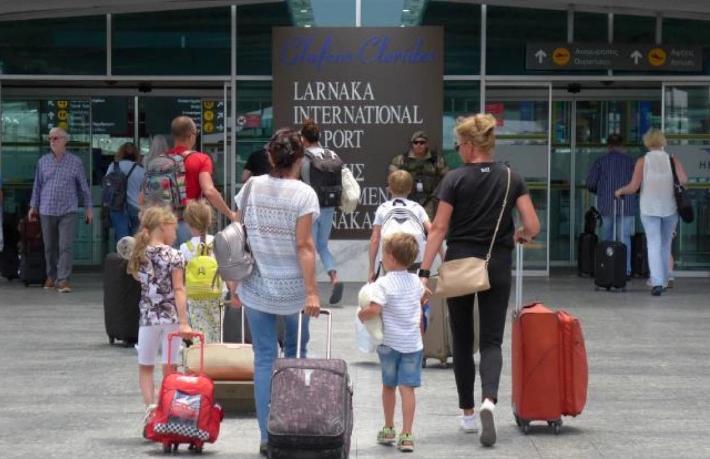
{"x": 545, "y": 87}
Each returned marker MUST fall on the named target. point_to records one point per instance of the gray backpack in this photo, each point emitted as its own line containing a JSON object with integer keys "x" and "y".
{"x": 231, "y": 248}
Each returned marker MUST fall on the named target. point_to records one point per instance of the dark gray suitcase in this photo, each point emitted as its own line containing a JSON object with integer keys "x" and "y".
{"x": 610, "y": 259}
{"x": 122, "y": 294}
{"x": 33, "y": 268}
{"x": 311, "y": 414}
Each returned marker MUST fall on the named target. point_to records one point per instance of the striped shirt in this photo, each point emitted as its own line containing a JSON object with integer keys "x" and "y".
{"x": 58, "y": 185}
{"x": 609, "y": 173}
{"x": 399, "y": 293}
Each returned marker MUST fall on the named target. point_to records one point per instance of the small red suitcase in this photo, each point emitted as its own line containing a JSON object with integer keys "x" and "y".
{"x": 549, "y": 362}
{"x": 186, "y": 411}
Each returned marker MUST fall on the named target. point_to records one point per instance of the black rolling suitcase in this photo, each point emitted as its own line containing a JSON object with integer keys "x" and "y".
{"x": 9, "y": 257}
{"x": 311, "y": 414}
{"x": 639, "y": 255}
{"x": 122, "y": 294}
{"x": 610, "y": 259}
{"x": 586, "y": 246}
{"x": 33, "y": 268}
{"x": 587, "y": 243}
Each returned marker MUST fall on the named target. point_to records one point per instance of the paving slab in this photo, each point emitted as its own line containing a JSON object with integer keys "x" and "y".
{"x": 67, "y": 393}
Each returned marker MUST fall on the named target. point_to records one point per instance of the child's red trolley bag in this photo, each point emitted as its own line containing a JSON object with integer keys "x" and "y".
{"x": 186, "y": 411}
{"x": 549, "y": 362}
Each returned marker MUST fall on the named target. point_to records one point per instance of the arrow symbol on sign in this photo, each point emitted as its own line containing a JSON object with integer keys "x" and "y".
{"x": 220, "y": 115}
{"x": 50, "y": 115}
{"x": 220, "y": 104}
{"x": 220, "y": 127}
{"x": 636, "y": 56}
{"x": 540, "y": 55}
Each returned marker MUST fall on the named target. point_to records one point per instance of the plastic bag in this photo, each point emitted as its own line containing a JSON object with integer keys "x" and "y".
{"x": 365, "y": 343}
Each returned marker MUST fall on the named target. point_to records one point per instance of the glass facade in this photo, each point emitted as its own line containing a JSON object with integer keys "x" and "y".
{"x": 66, "y": 46}
{"x": 510, "y": 29}
{"x": 183, "y": 42}
{"x": 552, "y": 142}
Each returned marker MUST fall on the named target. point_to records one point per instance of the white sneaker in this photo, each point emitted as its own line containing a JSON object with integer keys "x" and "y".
{"x": 488, "y": 428}
{"x": 469, "y": 424}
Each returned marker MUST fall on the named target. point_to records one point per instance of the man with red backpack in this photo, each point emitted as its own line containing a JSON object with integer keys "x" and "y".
{"x": 182, "y": 174}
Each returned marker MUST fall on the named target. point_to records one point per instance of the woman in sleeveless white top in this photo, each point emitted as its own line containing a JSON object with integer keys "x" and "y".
{"x": 654, "y": 176}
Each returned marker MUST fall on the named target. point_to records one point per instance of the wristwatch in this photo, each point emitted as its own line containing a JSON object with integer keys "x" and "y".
{"x": 424, "y": 273}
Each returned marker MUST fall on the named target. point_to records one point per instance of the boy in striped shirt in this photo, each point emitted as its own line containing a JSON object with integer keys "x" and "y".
{"x": 397, "y": 296}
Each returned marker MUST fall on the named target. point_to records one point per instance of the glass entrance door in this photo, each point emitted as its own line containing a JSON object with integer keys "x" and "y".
{"x": 523, "y": 142}
{"x": 687, "y": 125}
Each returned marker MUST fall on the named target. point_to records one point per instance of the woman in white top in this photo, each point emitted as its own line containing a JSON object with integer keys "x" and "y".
{"x": 279, "y": 211}
{"x": 659, "y": 214}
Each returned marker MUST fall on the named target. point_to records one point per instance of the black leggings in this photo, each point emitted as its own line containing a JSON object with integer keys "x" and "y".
{"x": 492, "y": 306}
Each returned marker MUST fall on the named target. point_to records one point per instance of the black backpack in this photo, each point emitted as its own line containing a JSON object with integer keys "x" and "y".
{"x": 592, "y": 219}
{"x": 114, "y": 188}
{"x": 326, "y": 177}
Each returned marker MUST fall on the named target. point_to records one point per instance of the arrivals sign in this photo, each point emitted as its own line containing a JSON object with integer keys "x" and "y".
{"x": 595, "y": 56}
{"x": 369, "y": 90}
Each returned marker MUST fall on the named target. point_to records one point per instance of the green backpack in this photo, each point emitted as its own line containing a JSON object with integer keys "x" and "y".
{"x": 201, "y": 278}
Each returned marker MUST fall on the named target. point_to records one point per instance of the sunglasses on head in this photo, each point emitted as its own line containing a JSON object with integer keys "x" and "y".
{"x": 419, "y": 142}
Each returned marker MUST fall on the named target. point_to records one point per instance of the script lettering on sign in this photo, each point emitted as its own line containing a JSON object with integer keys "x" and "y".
{"x": 368, "y": 89}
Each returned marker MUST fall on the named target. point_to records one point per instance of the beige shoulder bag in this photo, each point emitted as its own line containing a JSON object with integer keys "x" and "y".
{"x": 469, "y": 275}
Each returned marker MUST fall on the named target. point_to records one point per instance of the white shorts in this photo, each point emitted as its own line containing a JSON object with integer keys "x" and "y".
{"x": 151, "y": 337}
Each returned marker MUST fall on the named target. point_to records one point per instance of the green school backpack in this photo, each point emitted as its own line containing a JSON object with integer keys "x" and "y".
{"x": 201, "y": 279}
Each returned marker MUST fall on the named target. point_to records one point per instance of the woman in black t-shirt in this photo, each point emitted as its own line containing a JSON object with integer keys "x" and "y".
{"x": 470, "y": 201}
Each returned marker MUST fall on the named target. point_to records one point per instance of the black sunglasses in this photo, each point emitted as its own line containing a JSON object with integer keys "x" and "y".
{"x": 419, "y": 142}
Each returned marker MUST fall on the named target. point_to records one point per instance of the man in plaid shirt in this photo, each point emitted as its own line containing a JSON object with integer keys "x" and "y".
{"x": 59, "y": 180}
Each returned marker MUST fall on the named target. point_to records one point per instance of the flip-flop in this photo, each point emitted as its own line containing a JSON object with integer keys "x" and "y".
{"x": 337, "y": 293}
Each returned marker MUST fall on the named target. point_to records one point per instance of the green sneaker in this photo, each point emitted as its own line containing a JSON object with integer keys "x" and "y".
{"x": 406, "y": 442}
{"x": 386, "y": 436}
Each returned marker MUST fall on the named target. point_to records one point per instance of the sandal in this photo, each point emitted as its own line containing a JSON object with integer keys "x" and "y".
{"x": 406, "y": 442}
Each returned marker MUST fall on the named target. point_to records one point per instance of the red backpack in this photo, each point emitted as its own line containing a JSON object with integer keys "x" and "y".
{"x": 186, "y": 411}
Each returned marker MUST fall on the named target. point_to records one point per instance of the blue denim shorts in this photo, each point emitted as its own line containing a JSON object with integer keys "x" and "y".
{"x": 400, "y": 369}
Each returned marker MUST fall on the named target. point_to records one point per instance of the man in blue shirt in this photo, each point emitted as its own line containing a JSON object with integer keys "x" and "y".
{"x": 607, "y": 174}
{"x": 59, "y": 182}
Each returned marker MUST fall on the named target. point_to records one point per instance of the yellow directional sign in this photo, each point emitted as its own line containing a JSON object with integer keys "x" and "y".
{"x": 63, "y": 104}
{"x": 657, "y": 57}
{"x": 561, "y": 56}
{"x": 208, "y": 127}
{"x": 208, "y": 104}
{"x": 63, "y": 115}
{"x": 208, "y": 115}
{"x": 63, "y": 124}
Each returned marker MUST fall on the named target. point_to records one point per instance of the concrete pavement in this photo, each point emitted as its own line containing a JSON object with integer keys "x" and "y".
{"x": 67, "y": 393}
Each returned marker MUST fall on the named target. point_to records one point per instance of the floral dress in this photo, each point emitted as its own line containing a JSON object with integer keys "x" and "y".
{"x": 157, "y": 304}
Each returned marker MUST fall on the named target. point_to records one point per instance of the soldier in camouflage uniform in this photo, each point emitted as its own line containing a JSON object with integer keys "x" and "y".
{"x": 427, "y": 169}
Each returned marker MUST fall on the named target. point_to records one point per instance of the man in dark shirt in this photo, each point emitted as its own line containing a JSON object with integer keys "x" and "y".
{"x": 607, "y": 174}
{"x": 257, "y": 164}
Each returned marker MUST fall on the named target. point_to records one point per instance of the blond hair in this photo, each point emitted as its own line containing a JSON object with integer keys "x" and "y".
{"x": 198, "y": 215}
{"x": 654, "y": 139}
{"x": 403, "y": 247}
{"x": 400, "y": 183}
{"x": 479, "y": 130}
{"x": 151, "y": 218}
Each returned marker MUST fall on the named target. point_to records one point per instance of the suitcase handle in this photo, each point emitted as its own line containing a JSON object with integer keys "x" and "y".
{"x": 620, "y": 202}
{"x": 518, "y": 277}
{"x": 191, "y": 335}
{"x": 328, "y": 335}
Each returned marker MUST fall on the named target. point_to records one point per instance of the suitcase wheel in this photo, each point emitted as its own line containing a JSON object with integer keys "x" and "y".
{"x": 170, "y": 447}
{"x": 556, "y": 426}
{"x": 424, "y": 362}
{"x": 526, "y": 428}
{"x": 111, "y": 340}
{"x": 195, "y": 448}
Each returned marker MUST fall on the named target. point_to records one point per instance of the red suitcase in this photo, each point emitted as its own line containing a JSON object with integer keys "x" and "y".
{"x": 549, "y": 362}
{"x": 186, "y": 411}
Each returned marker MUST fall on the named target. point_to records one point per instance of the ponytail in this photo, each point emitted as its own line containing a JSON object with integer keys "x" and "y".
{"x": 142, "y": 240}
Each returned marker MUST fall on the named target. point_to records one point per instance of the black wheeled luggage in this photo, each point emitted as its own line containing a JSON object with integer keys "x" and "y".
{"x": 586, "y": 246}
{"x": 121, "y": 297}
{"x": 311, "y": 414}
{"x": 33, "y": 268}
{"x": 639, "y": 255}
{"x": 9, "y": 256}
{"x": 610, "y": 259}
